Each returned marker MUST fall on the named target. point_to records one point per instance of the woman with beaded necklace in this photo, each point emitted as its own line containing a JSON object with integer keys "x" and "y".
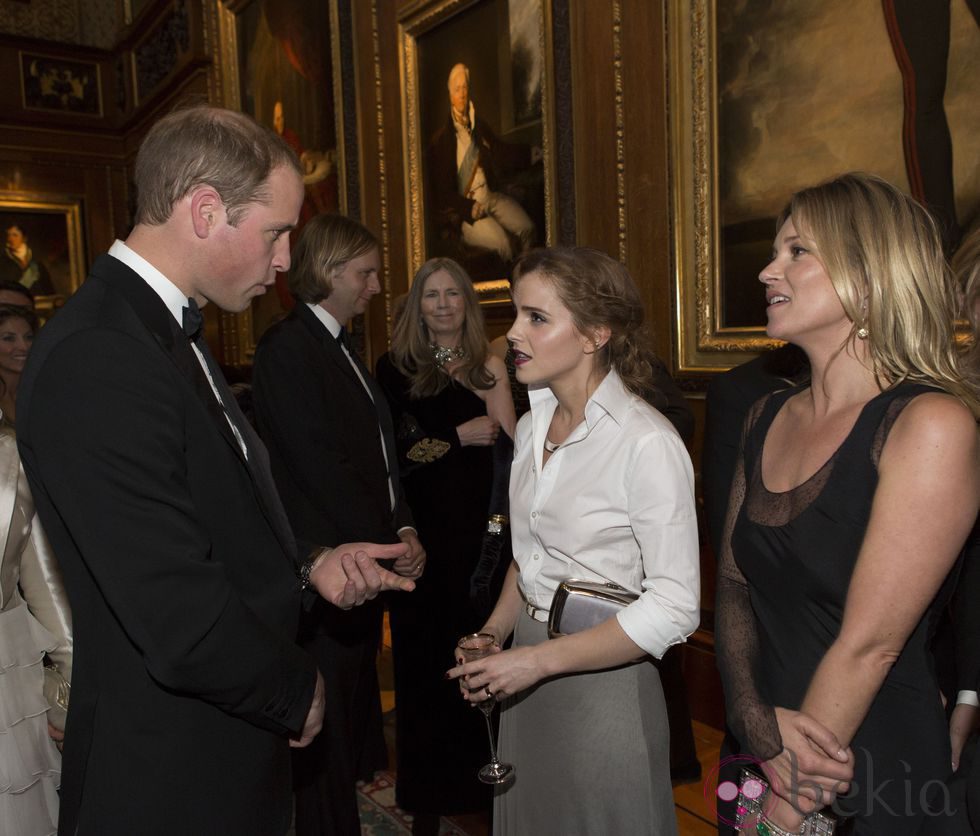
{"x": 449, "y": 398}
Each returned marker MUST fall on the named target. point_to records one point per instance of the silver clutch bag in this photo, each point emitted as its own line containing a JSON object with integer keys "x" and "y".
{"x": 579, "y": 605}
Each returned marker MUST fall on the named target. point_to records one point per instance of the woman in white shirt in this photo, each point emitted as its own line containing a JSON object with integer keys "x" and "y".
{"x": 602, "y": 489}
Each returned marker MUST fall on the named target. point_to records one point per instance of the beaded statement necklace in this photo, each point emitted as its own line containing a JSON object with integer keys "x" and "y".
{"x": 442, "y": 355}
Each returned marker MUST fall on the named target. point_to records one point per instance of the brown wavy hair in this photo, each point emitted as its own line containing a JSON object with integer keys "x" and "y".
{"x": 11, "y": 311}
{"x": 410, "y": 340}
{"x": 599, "y": 292}
{"x": 884, "y": 256}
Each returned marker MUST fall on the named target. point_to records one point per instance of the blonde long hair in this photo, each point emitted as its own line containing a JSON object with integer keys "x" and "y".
{"x": 884, "y": 256}
{"x": 410, "y": 339}
{"x": 966, "y": 268}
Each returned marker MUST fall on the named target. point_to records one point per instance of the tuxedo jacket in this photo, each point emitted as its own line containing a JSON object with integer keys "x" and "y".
{"x": 180, "y": 570}
{"x": 324, "y": 435}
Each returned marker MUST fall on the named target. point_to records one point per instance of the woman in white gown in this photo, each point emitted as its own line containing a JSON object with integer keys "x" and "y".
{"x": 34, "y": 621}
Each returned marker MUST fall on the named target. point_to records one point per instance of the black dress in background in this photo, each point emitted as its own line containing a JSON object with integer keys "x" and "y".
{"x": 797, "y": 551}
{"x": 441, "y": 741}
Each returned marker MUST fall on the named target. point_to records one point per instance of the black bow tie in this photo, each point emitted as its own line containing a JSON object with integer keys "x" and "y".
{"x": 193, "y": 320}
{"x": 343, "y": 337}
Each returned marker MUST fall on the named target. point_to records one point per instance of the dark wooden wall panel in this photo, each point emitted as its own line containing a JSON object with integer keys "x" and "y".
{"x": 594, "y": 121}
{"x": 647, "y": 233}
{"x": 381, "y": 159}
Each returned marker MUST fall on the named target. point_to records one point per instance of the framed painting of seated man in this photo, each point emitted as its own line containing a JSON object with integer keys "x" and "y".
{"x": 478, "y": 133}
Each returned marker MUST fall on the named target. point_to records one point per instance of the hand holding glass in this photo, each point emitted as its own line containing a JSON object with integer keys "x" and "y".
{"x": 478, "y": 646}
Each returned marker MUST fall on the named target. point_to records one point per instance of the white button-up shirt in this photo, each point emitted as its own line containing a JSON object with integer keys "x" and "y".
{"x": 615, "y": 503}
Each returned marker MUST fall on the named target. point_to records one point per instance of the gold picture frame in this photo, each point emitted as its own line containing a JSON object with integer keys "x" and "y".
{"x": 424, "y": 23}
{"x": 51, "y": 227}
{"x": 752, "y": 120}
{"x": 704, "y": 344}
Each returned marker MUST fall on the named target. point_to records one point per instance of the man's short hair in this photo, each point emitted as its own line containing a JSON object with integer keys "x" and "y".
{"x": 202, "y": 145}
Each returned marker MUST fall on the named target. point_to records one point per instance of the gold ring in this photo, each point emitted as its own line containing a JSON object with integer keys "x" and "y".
{"x": 488, "y": 692}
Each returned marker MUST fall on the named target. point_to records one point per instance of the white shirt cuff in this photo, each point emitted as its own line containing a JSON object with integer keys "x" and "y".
{"x": 967, "y": 698}
{"x": 652, "y": 629}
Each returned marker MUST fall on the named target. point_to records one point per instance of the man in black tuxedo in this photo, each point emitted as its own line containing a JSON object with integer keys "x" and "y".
{"x": 331, "y": 444}
{"x": 181, "y": 569}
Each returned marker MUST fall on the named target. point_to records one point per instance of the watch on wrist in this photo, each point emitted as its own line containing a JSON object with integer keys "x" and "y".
{"x": 309, "y": 566}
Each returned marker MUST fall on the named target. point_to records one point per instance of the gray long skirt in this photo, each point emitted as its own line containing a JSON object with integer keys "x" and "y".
{"x": 591, "y": 752}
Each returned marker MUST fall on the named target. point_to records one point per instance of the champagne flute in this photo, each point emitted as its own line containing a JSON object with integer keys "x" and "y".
{"x": 472, "y": 647}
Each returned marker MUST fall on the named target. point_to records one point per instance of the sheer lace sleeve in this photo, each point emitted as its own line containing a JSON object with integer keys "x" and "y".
{"x": 750, "y": 718}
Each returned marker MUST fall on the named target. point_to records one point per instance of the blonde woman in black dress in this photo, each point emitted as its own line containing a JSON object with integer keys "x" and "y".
{"x": 851, "y": 503}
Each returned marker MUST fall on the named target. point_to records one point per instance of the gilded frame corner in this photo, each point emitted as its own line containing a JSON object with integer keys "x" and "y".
{"x": 704, "y": 344}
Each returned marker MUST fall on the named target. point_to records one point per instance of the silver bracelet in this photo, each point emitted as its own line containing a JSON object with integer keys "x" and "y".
{"x": 765, "y": 827}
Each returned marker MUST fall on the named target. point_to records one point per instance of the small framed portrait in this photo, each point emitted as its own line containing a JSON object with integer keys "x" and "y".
{"x": 42, "y": 247}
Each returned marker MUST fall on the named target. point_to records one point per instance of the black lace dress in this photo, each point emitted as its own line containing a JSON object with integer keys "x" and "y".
{"x": 782, "y": 588}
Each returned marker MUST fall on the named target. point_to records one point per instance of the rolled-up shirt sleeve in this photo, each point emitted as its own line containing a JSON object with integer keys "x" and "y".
{"x": 660, "y": 494}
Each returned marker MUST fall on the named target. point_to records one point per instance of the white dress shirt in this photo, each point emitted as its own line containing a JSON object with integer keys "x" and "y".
{"x": 615, "y": 503}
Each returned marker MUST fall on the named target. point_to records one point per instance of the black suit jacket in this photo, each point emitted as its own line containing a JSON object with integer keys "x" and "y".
{"x": 323, "y": 435}
{"x": 180, "y": 572}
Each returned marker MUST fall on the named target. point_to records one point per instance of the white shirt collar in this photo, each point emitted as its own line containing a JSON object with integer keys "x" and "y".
{"x": 173, "y": 297}
{"x": 471, "y": 114}
{"x": 328, "y": 319}
{"x": 611, "y": 398}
